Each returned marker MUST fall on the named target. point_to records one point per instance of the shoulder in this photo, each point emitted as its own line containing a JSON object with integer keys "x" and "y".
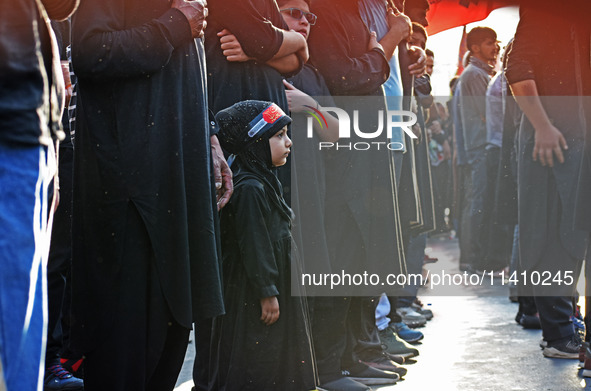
{"x": 469, "y": 72}
{"x": 249, "y": 192}
{"x": 249, "y": 185}
{"x": 473, "y": 77}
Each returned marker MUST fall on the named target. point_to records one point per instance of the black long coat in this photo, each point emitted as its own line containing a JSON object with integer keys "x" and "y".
{"x": 142, "y": 139}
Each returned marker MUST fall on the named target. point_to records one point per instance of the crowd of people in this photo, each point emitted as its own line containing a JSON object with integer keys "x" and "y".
{"x": 167, "y": 198}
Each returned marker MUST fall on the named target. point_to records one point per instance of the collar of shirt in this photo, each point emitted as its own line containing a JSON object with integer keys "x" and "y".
{"x": 482, "y": 65}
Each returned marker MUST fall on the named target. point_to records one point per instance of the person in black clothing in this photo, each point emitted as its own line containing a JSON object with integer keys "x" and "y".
{"x": 353, "y": 63}
{"x": 249, "y": 48}
{"x": 60, "y": 252}
{"x": 549, "y": 90}
{"x": 268, "y": 51}
{"x": 264, "y": 338}
{"x": 145, "y": 256}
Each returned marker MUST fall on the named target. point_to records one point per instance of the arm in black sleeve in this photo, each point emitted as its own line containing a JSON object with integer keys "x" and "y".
{"x": 257, "y": 35}
{"x": 525, "y": 46}
{"x": 343, "y": 73}
{"x": 102, "y": 47}
{"x": 254, "y": 241}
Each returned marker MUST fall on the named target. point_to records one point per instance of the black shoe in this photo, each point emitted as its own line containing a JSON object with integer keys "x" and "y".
{"x": 518, "y": 317}
{"x": 563, "y": 348}
{"x": 530, "y": 321}
{"x": 394, "y": 357}
{"x": 344, "y": 384}
{"x": 369, "y": 376}
{"x": 385, "y": 364}
{"x": 58, "y": 379}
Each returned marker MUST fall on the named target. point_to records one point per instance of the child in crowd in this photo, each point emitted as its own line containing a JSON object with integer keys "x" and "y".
{"x": 263, "y": 341}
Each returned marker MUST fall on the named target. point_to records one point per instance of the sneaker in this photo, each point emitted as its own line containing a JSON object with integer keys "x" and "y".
{"x": 418, "y": 307}
{"x": 394, "y": 345}
{"x": 427, "y": 313}
{"x": 411, "y": 317}
{"x": 530, "y": 321}
{"x": 74, "y": 366}
{"x": 543, "y": 343}
{"x": 344, "y": 384}
{"x": 563, "y": 348}
{"x": 369, "y": 376}
{"x": 394, "y": 357}
{"x": 385, "y": 364}
{"x": 404, "y": 332}
{"x": 57, "y": 378}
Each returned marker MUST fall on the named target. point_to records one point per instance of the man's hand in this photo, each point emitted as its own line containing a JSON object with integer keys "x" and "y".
{"x": 231, "y": 47}
{"x": 222, "y": 174}
{"x": 435, "y": 127}
{"x": 269, "y": 310}
{"x": 195, "y": 11}
{"x": 399, "y": 24}
{"x": 67, "y": 82}
{"x": 419, "y": 65}
{"x": 296, "y": 99}
{"x": 549, "y": 141}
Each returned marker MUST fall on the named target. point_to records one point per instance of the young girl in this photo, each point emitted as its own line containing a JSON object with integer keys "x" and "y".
{"x": 264, "y": 339}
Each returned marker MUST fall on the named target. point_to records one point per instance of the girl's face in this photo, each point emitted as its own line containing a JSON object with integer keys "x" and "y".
{"x": 280, "y": 145}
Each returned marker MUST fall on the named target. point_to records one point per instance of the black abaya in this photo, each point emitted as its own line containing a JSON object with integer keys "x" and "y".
{"x": 256, "y": 244}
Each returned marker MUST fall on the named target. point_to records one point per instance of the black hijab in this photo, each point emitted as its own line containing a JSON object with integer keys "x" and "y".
{"x": 245, "y": 129}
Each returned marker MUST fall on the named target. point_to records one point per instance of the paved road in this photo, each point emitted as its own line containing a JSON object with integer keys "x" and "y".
{"x": 472, "y": 343}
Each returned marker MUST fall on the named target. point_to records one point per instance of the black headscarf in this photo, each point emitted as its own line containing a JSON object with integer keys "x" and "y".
{"x": 245, "y": 130}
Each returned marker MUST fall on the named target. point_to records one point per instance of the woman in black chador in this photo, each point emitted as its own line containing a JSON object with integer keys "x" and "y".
{"x": 263, "y": 341}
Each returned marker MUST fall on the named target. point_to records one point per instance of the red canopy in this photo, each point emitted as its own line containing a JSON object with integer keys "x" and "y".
{"x": 446, "y": 14}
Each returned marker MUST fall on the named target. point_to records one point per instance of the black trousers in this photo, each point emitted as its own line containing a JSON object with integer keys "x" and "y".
{"x": 144, "y": 348}
{"x": 60, "y": 263}
{"x": 555, "y": 303}
{"x": 344, "y": 331}
{"x": 201, "y": 367}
